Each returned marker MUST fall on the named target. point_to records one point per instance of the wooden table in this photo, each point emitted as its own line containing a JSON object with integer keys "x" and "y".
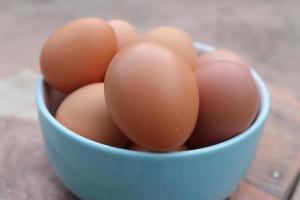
{"x": 265, "y": 32}
{"x": 276, "y": 169}
{"x": 25, "y": 172}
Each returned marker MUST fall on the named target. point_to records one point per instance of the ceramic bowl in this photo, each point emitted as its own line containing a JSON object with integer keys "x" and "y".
{"x": 94, "y": 171}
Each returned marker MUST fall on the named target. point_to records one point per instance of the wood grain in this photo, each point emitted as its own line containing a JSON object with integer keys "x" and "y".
{"x": 278, "y": 157}
{"x": 296, "y": 195}
{"x": 25, "y": 172}
{"x": 247, "y": 191}
{"x": 267, "y": 35}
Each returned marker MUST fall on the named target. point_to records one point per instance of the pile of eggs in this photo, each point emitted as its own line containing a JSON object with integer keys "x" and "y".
{"x": 146, "y": 93}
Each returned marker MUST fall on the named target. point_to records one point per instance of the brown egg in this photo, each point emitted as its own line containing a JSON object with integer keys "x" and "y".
{"x": 78, "y": 54}
{"x": 222, "y": 54}
{"x": 152, "y": 96}
{"x": 84, "y": 111}
{"x": 125, "y": 32}
{"x": 229, "y": 102}
{"x": 177, "y": 40}
{"x": 137, "y": 147}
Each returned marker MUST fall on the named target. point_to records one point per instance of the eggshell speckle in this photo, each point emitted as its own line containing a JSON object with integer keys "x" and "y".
{"x": 152, "y": 96}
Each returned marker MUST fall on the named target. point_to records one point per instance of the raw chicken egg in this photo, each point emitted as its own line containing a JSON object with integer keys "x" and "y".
{"x": 177, "y": 40}
{"x": 137, "y": 147}
{"x": 152, "y": 96}
{"x": 125, "y": 32}
{"x": 222, "y": 54}
{"x": 229, "y": 102}
{"x": 78, "y": 54}
{"x": 84, "y": 111}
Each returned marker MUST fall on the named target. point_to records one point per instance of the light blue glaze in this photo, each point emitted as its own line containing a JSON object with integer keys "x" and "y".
{"x": 95, "y": 171}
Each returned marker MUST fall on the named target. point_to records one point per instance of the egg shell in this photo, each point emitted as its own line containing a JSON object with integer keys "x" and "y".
{"x": 84, "y": 111}
{"x": 125, "y": 32}
{"x": 137, "y": 147}
{"x": 78, "y": 54}
{"x": 177, "y": 40}
{"x": 222, "y": 54}
{"x": 229, "y": 102}
{"x": 152, "y": 96}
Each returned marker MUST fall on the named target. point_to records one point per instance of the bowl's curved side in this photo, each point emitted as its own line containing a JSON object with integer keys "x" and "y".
{"x": 94, "y": 174}
{"x": 97, "y": 171}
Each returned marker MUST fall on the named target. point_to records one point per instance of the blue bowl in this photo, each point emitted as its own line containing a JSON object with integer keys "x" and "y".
{"x": 97, "y": 171}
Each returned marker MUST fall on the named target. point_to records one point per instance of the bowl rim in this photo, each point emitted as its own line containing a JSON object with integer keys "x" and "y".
{"x": 256, "y": 125}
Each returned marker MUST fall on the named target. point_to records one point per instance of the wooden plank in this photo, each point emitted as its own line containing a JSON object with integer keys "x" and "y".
{"x": 25, "y": 172}
{"x": 296, "y": 195}
{"x": 278, "y": 157}
{"x": 270, "y": 178}
{"x": 247, "y": 191}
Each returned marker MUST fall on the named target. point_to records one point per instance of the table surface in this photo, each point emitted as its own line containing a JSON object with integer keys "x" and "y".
{"x": 265, "y": 32}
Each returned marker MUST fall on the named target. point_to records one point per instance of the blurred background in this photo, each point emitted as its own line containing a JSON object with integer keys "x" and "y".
{"x": 265, "y": 32}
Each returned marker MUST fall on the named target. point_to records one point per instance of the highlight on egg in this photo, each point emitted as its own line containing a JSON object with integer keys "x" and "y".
{"x": 152, "y": 96}
{"x": 84, "y": 112}
{"x": 78, "y": 53}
